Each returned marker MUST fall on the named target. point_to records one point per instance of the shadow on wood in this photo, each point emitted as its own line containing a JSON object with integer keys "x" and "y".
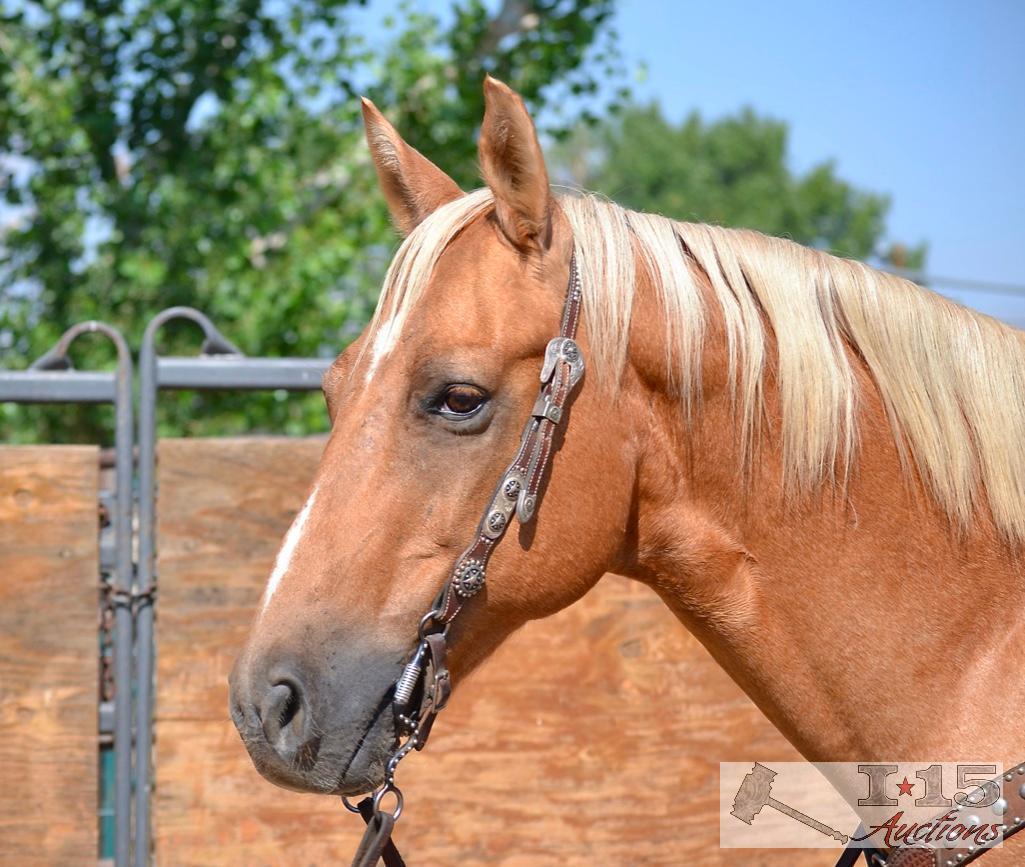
{"x": 609, "y": 755}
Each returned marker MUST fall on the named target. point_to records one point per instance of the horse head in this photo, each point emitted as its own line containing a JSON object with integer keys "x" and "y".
{"x": 427, "y": 408}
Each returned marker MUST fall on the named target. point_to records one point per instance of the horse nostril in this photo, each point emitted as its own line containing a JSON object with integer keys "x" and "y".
{"x": 291, "y": 708}
{"x": 285, "y": 718}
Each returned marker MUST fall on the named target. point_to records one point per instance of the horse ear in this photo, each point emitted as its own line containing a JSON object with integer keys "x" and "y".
{"x": 514, "y": 168}
{"x": 412, "y": 185}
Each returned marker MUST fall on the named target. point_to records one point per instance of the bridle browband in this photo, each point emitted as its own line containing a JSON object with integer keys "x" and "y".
{"x": 423, "y": 688}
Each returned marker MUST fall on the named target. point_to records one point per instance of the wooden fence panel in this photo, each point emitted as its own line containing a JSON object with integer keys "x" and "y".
{"x": 48, "y": 655}
{"x": 608, "y": 755}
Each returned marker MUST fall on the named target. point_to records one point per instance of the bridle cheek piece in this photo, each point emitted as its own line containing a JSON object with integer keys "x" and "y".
{"x": 424, "y": 686}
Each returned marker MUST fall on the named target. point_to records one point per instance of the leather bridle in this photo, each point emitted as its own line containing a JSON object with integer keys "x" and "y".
{"x": 423, "y": 688}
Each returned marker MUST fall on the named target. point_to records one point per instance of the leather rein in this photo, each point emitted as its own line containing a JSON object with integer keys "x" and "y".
{"x": 423, "y": 688}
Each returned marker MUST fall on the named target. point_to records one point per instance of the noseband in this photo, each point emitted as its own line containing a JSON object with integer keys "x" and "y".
{"x": 423, "y": 688}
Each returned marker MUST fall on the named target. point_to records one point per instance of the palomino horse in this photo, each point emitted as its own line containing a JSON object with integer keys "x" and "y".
{"x": 820, "y": 468}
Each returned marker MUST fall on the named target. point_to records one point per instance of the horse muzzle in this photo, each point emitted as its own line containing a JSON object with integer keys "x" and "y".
{"x": 325, "y": 728}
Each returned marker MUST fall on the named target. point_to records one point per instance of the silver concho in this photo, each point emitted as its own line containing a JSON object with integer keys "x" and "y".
{"x": 469, "y": 578}
{"x": 503, "y": 504}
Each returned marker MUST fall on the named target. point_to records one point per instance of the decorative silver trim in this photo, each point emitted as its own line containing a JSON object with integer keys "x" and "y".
{"x": 563, "y": 349}
{"x": 469, "y": 578}
{"x": 525, "y": 507}
{"x": 503, "y": 504}
{"x": 545, "y": 407}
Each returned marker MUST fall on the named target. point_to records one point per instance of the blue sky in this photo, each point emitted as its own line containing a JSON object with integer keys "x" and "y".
{"x": 924, "y": 101}
{"x": 921, "y": 100}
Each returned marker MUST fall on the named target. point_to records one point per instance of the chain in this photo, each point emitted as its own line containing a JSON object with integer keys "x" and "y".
{"x": 106, "y": 618}
{"x": 132, "y": 600}
{"x": 388, "y": 787}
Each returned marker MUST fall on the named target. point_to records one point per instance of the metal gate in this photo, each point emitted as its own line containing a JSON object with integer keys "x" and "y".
{"x": 219, "y": 366}
{"x": 125, "y": 722}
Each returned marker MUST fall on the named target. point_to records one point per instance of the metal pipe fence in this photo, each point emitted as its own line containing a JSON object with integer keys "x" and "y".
{"x": 220, "y": 365}
{"x": 53, "y": 379}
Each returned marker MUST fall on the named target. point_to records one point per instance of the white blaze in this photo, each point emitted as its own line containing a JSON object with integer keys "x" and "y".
{"x": 292, "y": 539}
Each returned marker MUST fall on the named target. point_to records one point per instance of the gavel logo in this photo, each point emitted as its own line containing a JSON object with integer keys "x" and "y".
{"x": 755, "y": 793}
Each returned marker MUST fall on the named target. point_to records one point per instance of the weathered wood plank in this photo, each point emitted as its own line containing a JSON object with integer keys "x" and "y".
{"x": 48, "y": 655}
{"x": 609, "y": 755}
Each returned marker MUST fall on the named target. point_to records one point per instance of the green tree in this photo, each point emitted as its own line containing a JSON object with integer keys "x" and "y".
{"x": 209, "y": 153}
{"x": 731, "y": 172}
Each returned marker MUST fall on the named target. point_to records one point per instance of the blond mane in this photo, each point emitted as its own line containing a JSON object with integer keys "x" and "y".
{"x": 952, "y": 381}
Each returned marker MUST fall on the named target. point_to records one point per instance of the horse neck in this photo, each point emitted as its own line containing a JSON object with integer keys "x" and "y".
{"x": 854, "y": 616}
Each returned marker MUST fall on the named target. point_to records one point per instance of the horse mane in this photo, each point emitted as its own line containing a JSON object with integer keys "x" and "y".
{"x": 952, "y": 381}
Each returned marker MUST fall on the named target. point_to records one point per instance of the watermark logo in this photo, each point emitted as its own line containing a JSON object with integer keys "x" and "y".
{"x": 755, "y": 792}
{"x": 878, "y": 805}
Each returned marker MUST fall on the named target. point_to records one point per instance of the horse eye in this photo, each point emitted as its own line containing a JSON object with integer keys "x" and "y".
{"x": 461, "y": 401}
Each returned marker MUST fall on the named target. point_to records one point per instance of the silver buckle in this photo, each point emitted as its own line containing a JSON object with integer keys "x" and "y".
{"x": 545, "y": 407}
{"x": 563, "y": 349}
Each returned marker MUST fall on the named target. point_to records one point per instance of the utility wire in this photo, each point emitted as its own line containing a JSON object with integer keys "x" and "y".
{"x": 959, "y": 283}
